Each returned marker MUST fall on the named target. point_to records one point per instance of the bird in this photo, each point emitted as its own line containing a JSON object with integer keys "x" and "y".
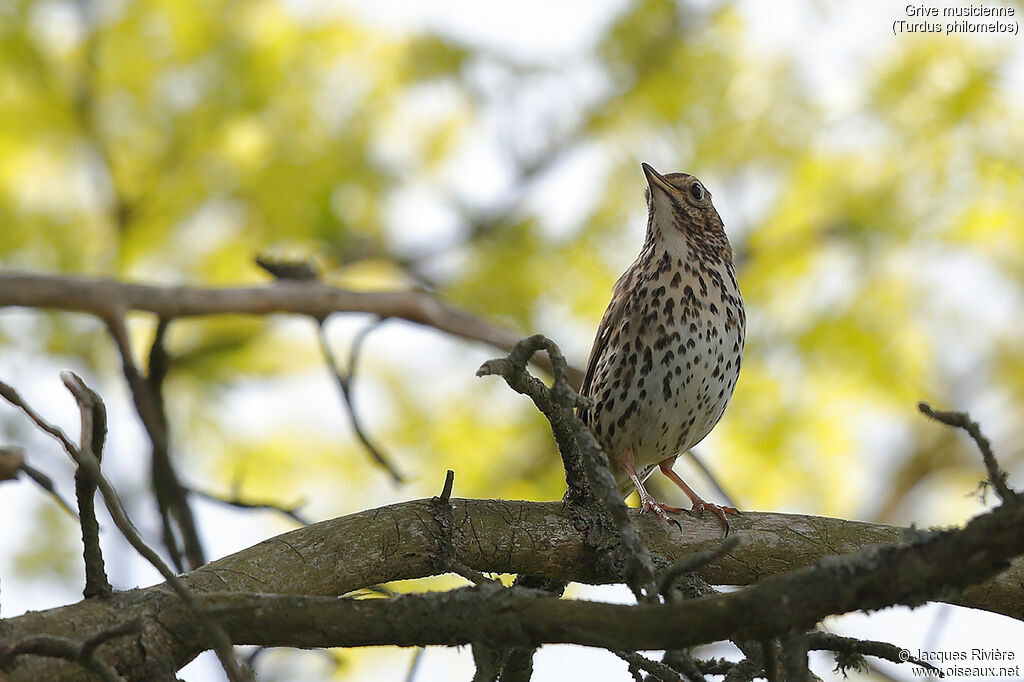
{"x": 668, "y": 350}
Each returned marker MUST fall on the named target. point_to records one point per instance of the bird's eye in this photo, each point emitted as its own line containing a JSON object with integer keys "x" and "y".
{"x": 697, "y": 191}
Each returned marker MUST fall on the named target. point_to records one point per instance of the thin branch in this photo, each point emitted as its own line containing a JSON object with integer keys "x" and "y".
{"x": 12, "y": 460}
{"x": 845, "y": 647}
{"x": 695, "y": 561}
{"x": 171, "y": 495}
{"x": 344, "y": 382}
{"x": 291, "y": 512}
{"x": 107, "y": 298}
{"x": 558, "y": 409}
{"x": 8, "y": 393}
{"x": 92, "y": 438}
{"x": 695, "y": 457}
{"x": 658, "y": 671}
{"x": 46, "y": 483}
{"x": 961, "y": 420}
{"x": 682, "y": 661}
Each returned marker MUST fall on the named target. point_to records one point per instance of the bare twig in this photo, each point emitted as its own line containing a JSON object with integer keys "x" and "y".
{"x": 62, "y": 647}
{"x": 447, "y": 557}
{"x": 107, "y": 298}
{"x": 695, "y": 457}
{"x": 291, "y": 512}
{"x": 171, "y": 495}
{"x": 344, "y": 381}
{"x": 658, "y": 671}
{"x": 695, "y": 561}
{"x": 93, "y": 435}
{"x": 961, "y": 420}
{"x": 414, "y": 664}
{"x": 8, "y": 393}
{"x": 12, "y": 460}
{"x": 46, "y": 483}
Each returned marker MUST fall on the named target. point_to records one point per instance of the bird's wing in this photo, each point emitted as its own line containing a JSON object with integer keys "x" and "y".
{"x": 605, "y": 332}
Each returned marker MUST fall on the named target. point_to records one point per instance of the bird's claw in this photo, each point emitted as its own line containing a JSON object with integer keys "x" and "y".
{"x": 661, "y": 510}
{"x": 700, "y": 506}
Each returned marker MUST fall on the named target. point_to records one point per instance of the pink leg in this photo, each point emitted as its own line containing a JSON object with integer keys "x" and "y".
{"x": 648, "y": 503}
{"x": 699, "y": 505}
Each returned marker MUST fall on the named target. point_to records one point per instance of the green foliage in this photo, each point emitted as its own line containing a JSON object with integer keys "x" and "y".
{"x": 172, "y": 141}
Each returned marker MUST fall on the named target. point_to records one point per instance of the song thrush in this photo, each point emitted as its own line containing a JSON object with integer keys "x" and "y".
{"x": 668, "y": 349}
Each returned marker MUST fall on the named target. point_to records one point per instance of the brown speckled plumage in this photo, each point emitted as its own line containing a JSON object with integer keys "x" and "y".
{"x": 669, "y": 347}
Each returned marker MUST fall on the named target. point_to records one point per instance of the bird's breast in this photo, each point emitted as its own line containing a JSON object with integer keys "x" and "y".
{"x": 669, "y": 372}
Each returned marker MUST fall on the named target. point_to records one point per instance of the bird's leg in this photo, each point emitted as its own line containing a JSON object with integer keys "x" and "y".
{"x": 699, "y": 505}
{"x": 648, "y": 503}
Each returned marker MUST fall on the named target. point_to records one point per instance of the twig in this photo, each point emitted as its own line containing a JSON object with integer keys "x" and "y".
{"x": 92, "y": 438}
{"x": 715, "y": 666}
{"x": 344, "y": 381}
{"x": 658, "y": 671}
{"x": 694, "y": 562}
{"x": 683, "y": 662}
{"x": 46, "y": 483}
{"x": 8, "y": 393}
{"x": 961, "y": 420}
{"x": 578, "y": 447}
{"x": 12, "y": 459}
{"x": 414, "y": 664}
{"x": 291, "y": 512}
{"x": 711, "y": 477}
{"x": 67, "y": 649}
{"x": 447, "y": 558}
{"x": 747, "y": 669}
{"x": 171, "y": 495}
{"x": 847, "y": 646}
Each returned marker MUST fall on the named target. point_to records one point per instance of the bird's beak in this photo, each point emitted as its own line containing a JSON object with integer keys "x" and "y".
{"x": 655, "y": 179}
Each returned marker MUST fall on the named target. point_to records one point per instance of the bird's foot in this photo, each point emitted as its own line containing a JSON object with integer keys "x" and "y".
{"x": 700, "y": 506}
{"x": 661, "y": 509}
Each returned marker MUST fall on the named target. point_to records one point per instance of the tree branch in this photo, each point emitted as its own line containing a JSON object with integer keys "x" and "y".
{"x": 344, "y": 381}
{"x": 147, "y": 396}
{"x": 106, "y": 297}
{"x": 398, "y": 542}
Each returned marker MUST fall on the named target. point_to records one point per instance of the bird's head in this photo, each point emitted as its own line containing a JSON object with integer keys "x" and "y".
{"x": 678, "y": 203}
